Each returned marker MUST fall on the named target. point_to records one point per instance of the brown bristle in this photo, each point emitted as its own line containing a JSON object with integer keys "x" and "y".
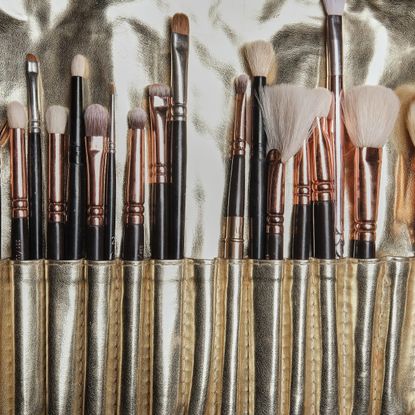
{"x": 180, "y": 24}
{"x": 112, "y": 88}
{"x": 30, "y": 57}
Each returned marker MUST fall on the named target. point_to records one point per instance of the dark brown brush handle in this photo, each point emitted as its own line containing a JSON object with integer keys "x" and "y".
{"x": 324, "y": 240}
{"x": 301, "y": 240}
{"x": 159, "y": 220}
{"x": 95, "y": 243}
{"x": 55, "y": 240}
{"x": 274, "y": 246}
{"x": 20, "y": 239}
{"x": 236, "y": 191}
{"x": 364, "y": 249}
{"x": 133, "y": 243}
{"x": 109, "y": 244}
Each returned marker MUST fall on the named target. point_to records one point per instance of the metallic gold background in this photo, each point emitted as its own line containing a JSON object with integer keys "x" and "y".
{"x": 127, "y": 42}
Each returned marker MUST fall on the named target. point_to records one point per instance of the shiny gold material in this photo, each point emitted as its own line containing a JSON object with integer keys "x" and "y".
{"x": 134, "y": 197}
{"x": 368, "y": 163}
{"x": 234, "y": 239}
{"x": 302, "y": 176}
{"x": 18, "y": 174}
{"x": 96, "y": 157}
{"x": 239, "y": 128}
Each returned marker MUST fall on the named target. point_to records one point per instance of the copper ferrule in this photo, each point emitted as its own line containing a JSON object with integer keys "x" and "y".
{"x": 302, "y": 176}
{"x": 96, "y": 160}
{"x": 239, "y": 127}
{"x": 18, "y": 177}
{"x": 275, "y": 194}
{"x": 134, "y": 198}
{"x": 367, "y": 168}
{"x": 322, "y": 168}
{"x": 159, "y": 166}
{"x": 234, "y": 237}
{"x": 56, "y": 198}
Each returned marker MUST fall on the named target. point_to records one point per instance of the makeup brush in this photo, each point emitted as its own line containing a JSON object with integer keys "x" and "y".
{"x": 370, "y": 113}
{"x": 109, "y": 244}
{"x": 261, "y": 59}
{"x": 334, "y": 52}
{"x": 35, "y": 159}
{"x": 178, "y": 129}
{"x": 96, "y": 142}
{"x": 133, "y": 241}
{"x": 17, "y": 120}
{"x": 235, "y": 206}
{"x": 410, "y": 125}
{"x": 159, "y": 98}
{"x": 76, "y": 196}
{"x": 56, "y": 119}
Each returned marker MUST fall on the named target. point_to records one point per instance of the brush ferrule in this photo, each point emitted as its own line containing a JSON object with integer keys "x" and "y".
{"x": 335, "y": 44}
{"x": 33, "y": 100}
{"x": 111, "y": 134}
{"x": 302, "y": 181}
{"x": 367, "y": 170}
{"x": 179, "y": 63}
{"x": 239, "y": 128}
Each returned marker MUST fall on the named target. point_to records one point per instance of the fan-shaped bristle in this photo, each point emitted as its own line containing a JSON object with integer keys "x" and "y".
{"x": 96, "y": 120}
{"x": 324, "y": 98}
{"x": 180, "y": 24}
{"x": 241, "y": 83}
{"x": 79, "y": 66}
{"x": 16, "y": 115}
{"x": 137, "y": 119}
{"x": 334, "y": 7}
{"x": 260, "y": 56}
{"x": 158, "y": 90}
{"x": 410, "y": 121}
{"x": 370, "y": 113}
{"x": 56, "y": 119}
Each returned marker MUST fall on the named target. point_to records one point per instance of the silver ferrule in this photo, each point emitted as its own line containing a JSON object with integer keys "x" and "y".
{"x": 111, "y": 133}
{"x": 179, "y": 61}
{"x": 32, "y": 69}
{"x": 335, "y": 45}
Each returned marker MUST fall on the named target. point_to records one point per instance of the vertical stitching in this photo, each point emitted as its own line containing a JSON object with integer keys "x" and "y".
{"x": 80, "y": 346}
{"x": 313, "y": 344}
{"x": 117, "y": 335}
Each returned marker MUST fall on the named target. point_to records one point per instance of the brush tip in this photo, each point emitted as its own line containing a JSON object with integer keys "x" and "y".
{"x": 137, "y": 119}
{"x": 79, "y": 66}
{"x": 56, "y": 119}
{"x": 31, "y": 58}
{"x": 96, "y": 120}
{"x": 334, "y": 7}
{"x": 112, "y": 88}
{"x": 16, "y": 115}
{"x": 180, "y": 24}
{"x": 260, "y": 56}
{"x": 241, "y": 83}
{"x": 159, "y": 90}
{"x": 410, "y": 121}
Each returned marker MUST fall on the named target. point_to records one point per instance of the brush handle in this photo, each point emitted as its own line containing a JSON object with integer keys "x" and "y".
{"x": 55, "y": 240}
{"x": 109, "y": 244}
{"x": 76, "y": 198}
{"x": 236, "y": 191}
{"x": 274, "y": 246}
{"x": 95, "y": 243}
{"x": 159, "y": 220}
{"x": 364, "y": 249}
{"x": 20, "y": 239}
{"x": 178, "y": 157}
{"x": 133, "y": 244}
{"x": 301, "y": 239}
{"x": 324, "y": 240}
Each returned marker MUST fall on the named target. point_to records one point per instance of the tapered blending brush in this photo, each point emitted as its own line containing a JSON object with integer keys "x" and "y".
{"x": 261, "y": 59}
{"x": 178, "y": 129}
{"x": 370, "y": 113}
{"x": 35, "y": 159}
{"x": 96, "y": 143}
{"x": 133, "y": 237}
{"x": 235, "y": 204}
{"x": 109, "y": 245}
{"x": 334, "y": 51}
{"x": 159, "y": 97}
{"x": 76, "y": 186}
{"x": 56, "y": 120}
{"x": 17, "y": 120}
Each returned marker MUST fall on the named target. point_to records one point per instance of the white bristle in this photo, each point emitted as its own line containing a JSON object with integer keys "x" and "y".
{"x": 96, "y": 120}
{"x": 241, "y": 82}
{"x": 370, "y": 113}
{"x": 324, "y": 98}
{"x": 16, "y": 115}
{"x": 56, "y": 119}
{"x": 334, "y": 7}
{"x": 158, "y": 90}
{"x": 137, "y": 119}
{"x": 260, "y": 56}
{"x": 410, "y": 121}
{"x": 79, "y": 66}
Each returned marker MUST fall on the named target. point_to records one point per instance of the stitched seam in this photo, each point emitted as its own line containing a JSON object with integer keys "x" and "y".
{"x": 344, "y": 338}
{"x": 145, "y": 391}
{"x": 9, "y": 330}
{"x": 313, "y": 349}
{"x": 285, "y": 363}
{"x": 116, "y": 347}
{"x": 80, "y": 347}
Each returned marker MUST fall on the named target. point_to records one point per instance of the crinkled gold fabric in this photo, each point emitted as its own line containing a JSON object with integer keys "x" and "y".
{"x": 128, "y": 42}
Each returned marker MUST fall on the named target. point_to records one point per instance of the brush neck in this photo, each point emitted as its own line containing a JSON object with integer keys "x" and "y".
{"x": 77, "y": 126}
{"x": 259, "y": 138}
{"x": 335, "y": 45}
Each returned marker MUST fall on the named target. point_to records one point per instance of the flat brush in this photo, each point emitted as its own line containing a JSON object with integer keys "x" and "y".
{"x": 76, "y": 188}
{"x": 261, "y": 59}
{"x": 234, "y": 217}
{"x": 159, "y": 98}
{"x": 133, "y": 238}
{"x": 35, "y": 159}
{"x": 56, "y": 120}
{"x": 178, "y": 130}
{"x": 96, "y": 143}
{"x": 370, "y": 113}
{"x": 17, "y": 120}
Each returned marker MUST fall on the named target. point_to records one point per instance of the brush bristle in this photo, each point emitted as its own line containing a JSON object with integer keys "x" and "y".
{"x": 370, "y": 113}
{"x": 79, "y": 66}
{"x": 241, "y": 83}
{"x": 180, "y": 24}
{"x": 56, "y": 119}
{"x": 260, "y": 56}
{"x": 158, "y": 90}
{"x": 112, "y": 88}
{"x": 16, "y": 115}
{"x": 324, "y": 99}
{"x": 410, "y": 121}
{"x": 31, "y": 58}
{"x": 137, "y": 119}
{"x": 334, "y": 7}
{"x": 96, "y": 120}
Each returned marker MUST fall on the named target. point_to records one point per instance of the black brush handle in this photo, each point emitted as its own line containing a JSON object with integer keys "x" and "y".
{"x": 76, "y": 197}
{"x": 236, "y": 191}
{"x": 35, "y": 196}
{"x": 324, "y": 240}
{"x": 55, "y": 240}
{"x": 159, "y": 220}
{"x": 257, "y": 179}
{"x": 301, "y": 240}
{"x": 109, "y": 244}
{"x": 133, "y": 243}
{"x": 95, "y": 243}
{"x": 20, "y": 239}
{"x": 274, "y": 245}
{"x": 364, "y": 249}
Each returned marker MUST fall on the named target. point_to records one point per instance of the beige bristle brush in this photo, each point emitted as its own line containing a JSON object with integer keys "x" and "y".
{"x": 370, "y": 113}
